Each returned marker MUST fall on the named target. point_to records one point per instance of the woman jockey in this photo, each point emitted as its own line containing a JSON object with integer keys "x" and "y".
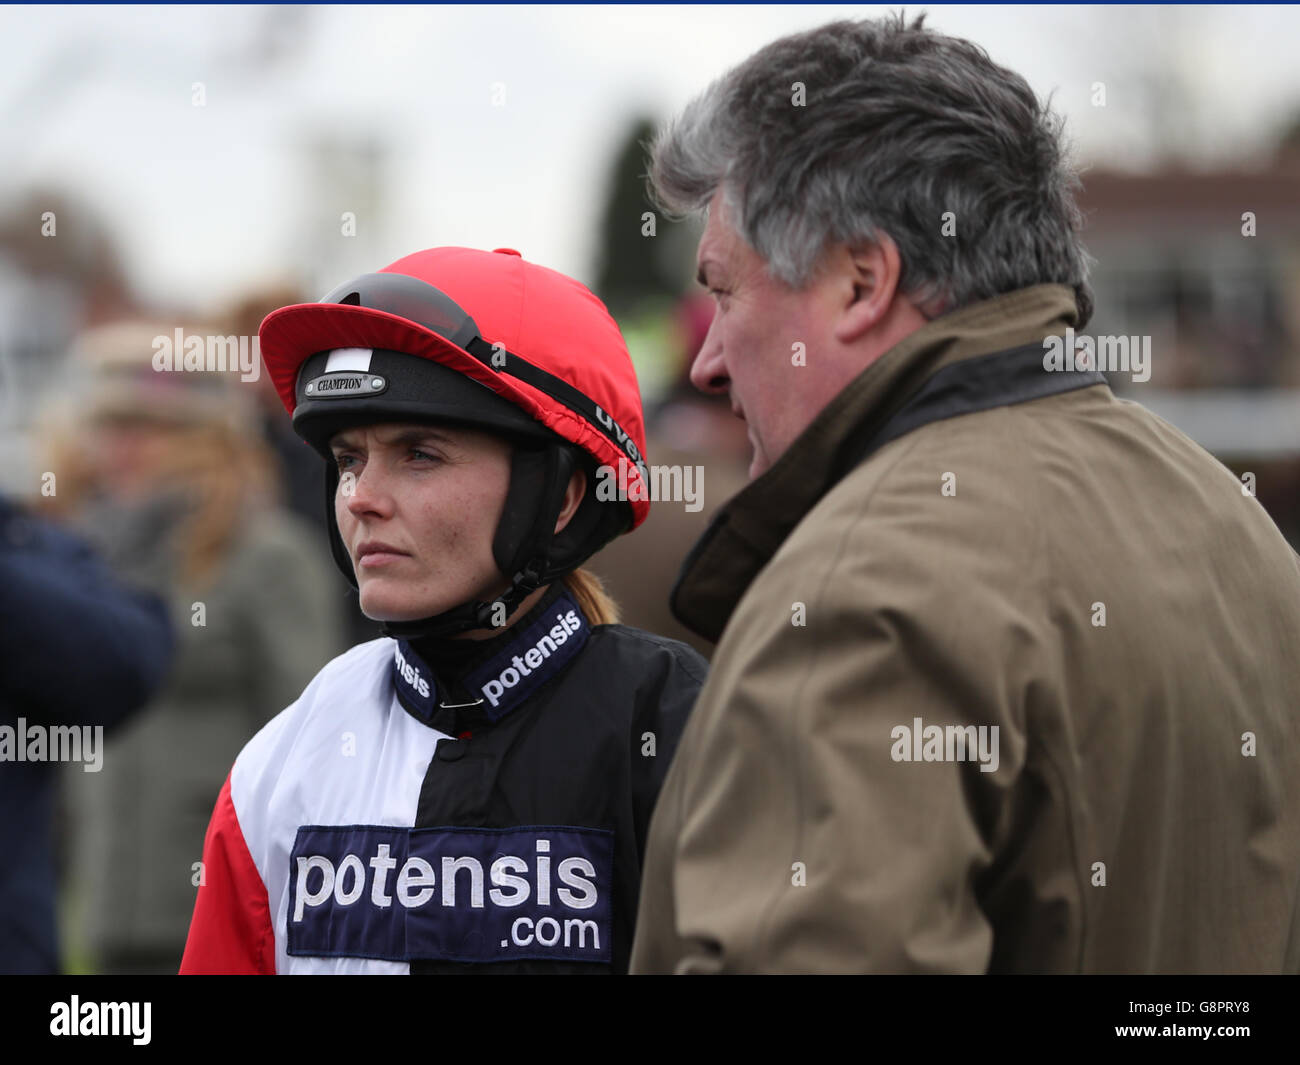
{"x": 471, "y": 791}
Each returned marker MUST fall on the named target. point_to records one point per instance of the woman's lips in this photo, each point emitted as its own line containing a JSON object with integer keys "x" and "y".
{"x": 379, "y": 558}
{"x": 372, "y": 554}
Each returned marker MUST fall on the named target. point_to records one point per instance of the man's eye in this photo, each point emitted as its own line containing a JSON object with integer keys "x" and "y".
{"x": 341, "y": 460}
{"x": 419, "y": 454}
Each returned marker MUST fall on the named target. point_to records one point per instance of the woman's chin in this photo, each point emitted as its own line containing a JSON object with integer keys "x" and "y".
{"x": 378, "y": 607}
{"x": 385, "y": 600}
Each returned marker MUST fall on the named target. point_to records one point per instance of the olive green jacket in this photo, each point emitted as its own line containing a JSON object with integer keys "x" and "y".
{"x": 1068, "y": 569}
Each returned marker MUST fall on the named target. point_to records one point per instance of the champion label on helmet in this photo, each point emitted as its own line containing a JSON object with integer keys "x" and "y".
{"x": 345, "y": 385}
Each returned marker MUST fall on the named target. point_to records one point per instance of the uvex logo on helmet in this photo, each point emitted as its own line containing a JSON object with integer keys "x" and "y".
{"x": 624, "y": 441}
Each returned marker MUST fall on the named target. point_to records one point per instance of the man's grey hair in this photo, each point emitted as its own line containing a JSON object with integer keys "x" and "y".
{"x": 898, "y": 125}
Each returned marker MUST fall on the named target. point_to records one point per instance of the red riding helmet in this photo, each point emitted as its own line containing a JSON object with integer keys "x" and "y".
{"x": 489, "y": 340}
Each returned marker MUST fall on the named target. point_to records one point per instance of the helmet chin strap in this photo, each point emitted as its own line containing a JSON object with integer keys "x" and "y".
{"x": 476, "y": 614}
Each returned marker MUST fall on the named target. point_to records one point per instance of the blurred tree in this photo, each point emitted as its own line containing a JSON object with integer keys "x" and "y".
{"x": 633, "y": 266}
{"x": 1287, "y": 152}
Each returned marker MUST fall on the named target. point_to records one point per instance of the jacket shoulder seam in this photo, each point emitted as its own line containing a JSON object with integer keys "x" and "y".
{"x": 682, "y": 653}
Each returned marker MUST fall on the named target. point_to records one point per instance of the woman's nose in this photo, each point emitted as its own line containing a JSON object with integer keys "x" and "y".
{"x": 365, "y": 492}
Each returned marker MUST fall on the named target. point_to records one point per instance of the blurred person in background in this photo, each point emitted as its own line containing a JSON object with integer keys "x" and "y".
{"x": 166, "y": 472}
{"x": 301, "y": 474}
{"x": 687, "y": 430}
{"x": 81, "y": 651}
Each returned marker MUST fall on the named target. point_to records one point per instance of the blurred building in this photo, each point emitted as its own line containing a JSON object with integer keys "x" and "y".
{"x": 1207, "y": 264}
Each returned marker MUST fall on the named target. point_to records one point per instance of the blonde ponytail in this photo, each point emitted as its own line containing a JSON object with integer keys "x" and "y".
{"x": 589, "y": 593}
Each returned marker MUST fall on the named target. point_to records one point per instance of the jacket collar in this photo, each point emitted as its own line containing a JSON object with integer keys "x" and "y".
{"x": 748, "y": 530}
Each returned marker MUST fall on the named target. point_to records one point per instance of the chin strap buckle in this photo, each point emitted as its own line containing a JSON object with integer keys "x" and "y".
{"x": 493, "y": 615}
{"x": 530, "y": 578}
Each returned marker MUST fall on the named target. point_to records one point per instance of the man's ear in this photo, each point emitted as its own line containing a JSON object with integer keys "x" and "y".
{"x": 572, "y": 498}
{"x": 870, "y": 274}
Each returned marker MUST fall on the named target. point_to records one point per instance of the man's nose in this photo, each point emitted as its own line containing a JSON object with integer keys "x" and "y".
{"x": 708, "y": 370}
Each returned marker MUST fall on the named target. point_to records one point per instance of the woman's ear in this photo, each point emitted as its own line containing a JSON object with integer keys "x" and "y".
{"x": 572, "y": 498}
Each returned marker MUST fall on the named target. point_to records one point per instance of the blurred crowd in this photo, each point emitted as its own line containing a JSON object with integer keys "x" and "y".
{"x": 188, "y": 491}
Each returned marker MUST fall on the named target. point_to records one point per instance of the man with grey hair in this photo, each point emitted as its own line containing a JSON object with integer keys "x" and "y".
{"x": 1006, "y": 676}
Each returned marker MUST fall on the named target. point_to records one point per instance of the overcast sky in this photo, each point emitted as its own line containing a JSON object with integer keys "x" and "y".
{"x": 208, "y": 201}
